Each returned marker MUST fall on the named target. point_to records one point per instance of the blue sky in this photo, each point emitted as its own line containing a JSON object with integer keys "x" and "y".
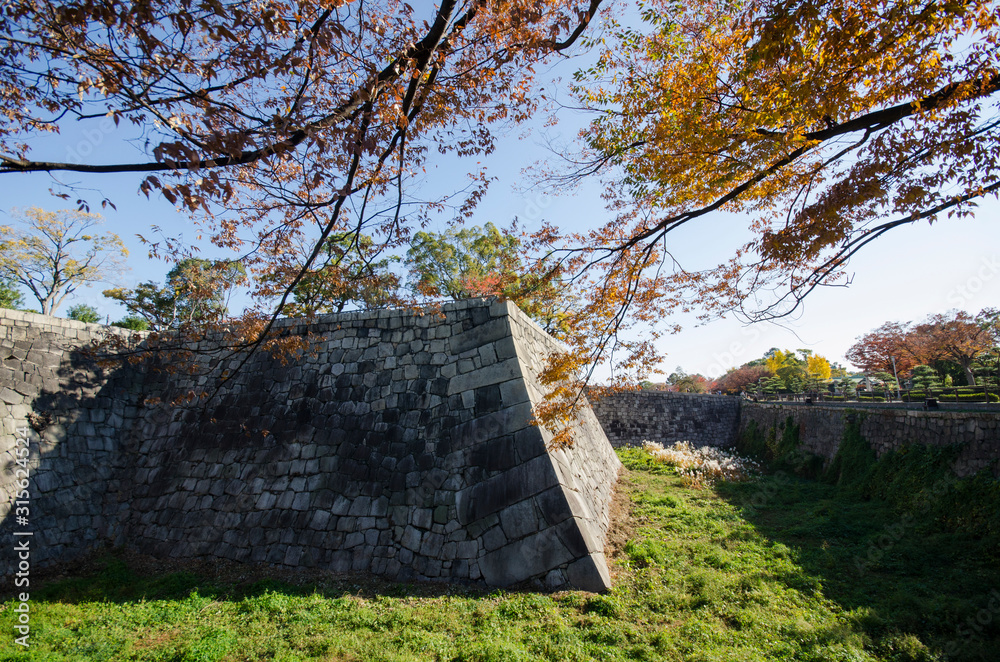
{"x": 908, "y": 274}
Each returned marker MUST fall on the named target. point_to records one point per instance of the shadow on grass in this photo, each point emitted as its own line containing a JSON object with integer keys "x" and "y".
{"x": 902, "y": 570}
{"x": 121, "y": 577}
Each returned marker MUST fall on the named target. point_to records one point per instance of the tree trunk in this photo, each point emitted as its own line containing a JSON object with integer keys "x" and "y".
{"x": 970, "y": 378}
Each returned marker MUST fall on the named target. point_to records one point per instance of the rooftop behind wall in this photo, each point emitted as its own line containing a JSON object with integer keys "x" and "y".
{"x": 401, "y": 445}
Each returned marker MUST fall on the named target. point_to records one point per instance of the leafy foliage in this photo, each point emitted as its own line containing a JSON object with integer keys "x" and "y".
{"x": 280, "y": 129}
{"x": 959, "y": 337}
{"x": 10, "y": 294}
{"x": 739, "y": 380}
{"x": 875, "y": 351}
{"x": 53, "y": 253}
{"x": 813, "y": 117}
{"x": 685, "y": 383}
{"x": 196, "y": 292}
{"x": 132, "y": 323}
{"x": 486, "y": 261}
{"x": 956, "y": 337}
{"x": 925, "y": 376}
{"x": 277, "y": 127}
{"x": 83, "y": 313}
{"x": 351, "y": 272}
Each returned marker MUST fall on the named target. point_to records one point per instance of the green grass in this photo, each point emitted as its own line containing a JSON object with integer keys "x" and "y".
{"x": 781, "y": 568}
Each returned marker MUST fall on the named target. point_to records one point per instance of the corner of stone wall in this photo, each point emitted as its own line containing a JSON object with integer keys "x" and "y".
{"x": 402, "y": 447}
{"x": 586, "y": 472}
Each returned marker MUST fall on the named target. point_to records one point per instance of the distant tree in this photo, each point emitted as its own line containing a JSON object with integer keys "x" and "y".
{"x": 485, "y": 261}
{"x": 455, "y": 263}
{"x": 875, "y": 351}
{"x": 924, "y": 376}
{"x": 888, "y": 380}
{"x": 54, "y": 253}
{"x": 817, "y": 367}
{"x": 692, "y": 384}
{"x": 132, "y": 323}
{"x": 847, "y": 387}
{"x": 957, "y": 336}
{"x": 10, "y": 295}
{"x": 83, "y": 313}
{"x": 837, "y": 371}
{"x": 788, "y": 367}
{"x": 197, "y": 291}
{"x": 739, "y": 380}
{"x": 772, "y": 384}
{"x": 812, "y": 384}
{"x": 946, "y": 342}
{"x": 682, "y": 382}
{"x": 349, "y": 271}
{"x": 150, "y": 302}
{"x": 987, "y": 367}
{"x": 677, "y": 375}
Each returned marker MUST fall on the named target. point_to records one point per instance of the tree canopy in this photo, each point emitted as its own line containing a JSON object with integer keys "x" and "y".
{"x": 744, "y": 378}
{"x": 956, "y": 338}
{"x": 483, "y": 260}
{"x": 281, "y": 127}
{"x": 350, "y": 269}
{"x": 197, "y": 291}
{"x": 288, "y": 126}
{"x": 10, "y": 295}
{"x": 53, "y": 254}
{"x": 826, "y": 123}
{"x": 83, "y": 312}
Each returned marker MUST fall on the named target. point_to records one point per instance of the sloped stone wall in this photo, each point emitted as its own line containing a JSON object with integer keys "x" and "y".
{"x": 885, "y": 429}
{"x": 587, "y": 472}
{"x": 401, "y": 445}
{"x": 631, "y": 417}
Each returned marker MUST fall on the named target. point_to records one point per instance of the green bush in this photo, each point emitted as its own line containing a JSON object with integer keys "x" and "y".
{"x": 83, "y": 313}
{"x": 132, "y": 323}
{"x": 854, "y": 462}
{"x": 970, "y": 395}
{"x": 966, "y": 397}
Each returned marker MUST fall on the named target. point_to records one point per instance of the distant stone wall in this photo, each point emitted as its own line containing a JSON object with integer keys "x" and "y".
{"x": 400, "y": 445}
{"x": 631, "y": 417}
{"x": 822, "y": 428}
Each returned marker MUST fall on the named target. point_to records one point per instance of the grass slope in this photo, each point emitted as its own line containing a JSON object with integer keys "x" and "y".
{"x": 781, "y": 568}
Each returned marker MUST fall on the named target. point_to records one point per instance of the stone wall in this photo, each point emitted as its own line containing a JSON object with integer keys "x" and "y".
{"x": 587, "y": 472}
{"x": 400, "y": 444}
{"x": 631, "y": 417}
{"x": 821, "y": 429}
{"x": 73, "y": 411}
